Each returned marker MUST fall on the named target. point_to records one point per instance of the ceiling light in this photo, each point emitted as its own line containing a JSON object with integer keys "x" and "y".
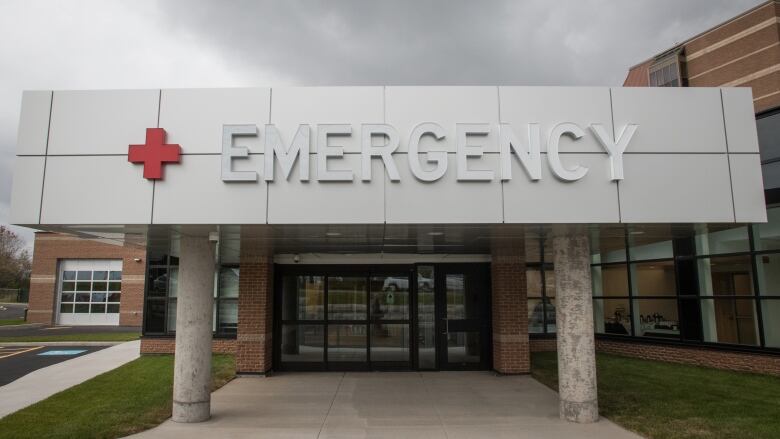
{"x": 332, "y": 234}
{"x": 435, "y": 233}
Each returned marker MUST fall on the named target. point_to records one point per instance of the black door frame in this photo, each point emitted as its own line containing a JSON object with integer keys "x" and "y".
{"x": 369, "y": 270}
{"x": 482, "y": 323}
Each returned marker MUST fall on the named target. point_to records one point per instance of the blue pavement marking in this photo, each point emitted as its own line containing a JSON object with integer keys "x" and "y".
{"x": 64, "y": 352}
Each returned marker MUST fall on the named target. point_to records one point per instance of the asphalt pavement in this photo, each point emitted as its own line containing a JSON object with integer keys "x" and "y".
{"x": 12, "y": 310}
{"x": 16, "y": 362}
{"x": 31, "y": 331}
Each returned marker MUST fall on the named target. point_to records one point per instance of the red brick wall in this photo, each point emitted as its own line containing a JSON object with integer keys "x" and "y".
{"x": 49, "y": 248}
{"x": 167, "y": 345}
{"x": 699, "y": 356}
{"x": 510, "y": 309}
{"x": 255, "y": 312}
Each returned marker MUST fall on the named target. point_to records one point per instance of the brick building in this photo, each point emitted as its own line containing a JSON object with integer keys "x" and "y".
{"x": 321, "y": 228}
{"x": 112, "y": 273}
{"x": 741, "y": 52}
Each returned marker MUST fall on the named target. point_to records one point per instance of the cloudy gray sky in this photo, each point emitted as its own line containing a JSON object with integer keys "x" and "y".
{"x": 96, "y": 44}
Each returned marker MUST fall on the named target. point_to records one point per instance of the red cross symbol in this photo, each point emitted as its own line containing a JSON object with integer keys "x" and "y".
{"x": 154, "y": 153}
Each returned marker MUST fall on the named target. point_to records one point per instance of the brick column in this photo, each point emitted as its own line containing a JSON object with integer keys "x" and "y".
{"x": 511, "y": 353}
{"x": 254, "y": 348}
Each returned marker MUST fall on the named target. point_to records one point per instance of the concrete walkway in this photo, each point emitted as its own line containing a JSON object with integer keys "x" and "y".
{"x": 392, "y": 405}
{"x": 43, "y": 383}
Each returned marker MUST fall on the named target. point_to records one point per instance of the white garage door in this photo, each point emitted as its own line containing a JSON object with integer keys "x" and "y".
{"x": 89, "y": 291}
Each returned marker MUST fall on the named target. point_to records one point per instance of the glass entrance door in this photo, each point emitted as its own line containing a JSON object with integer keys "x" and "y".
{"x": 462, "y": 302}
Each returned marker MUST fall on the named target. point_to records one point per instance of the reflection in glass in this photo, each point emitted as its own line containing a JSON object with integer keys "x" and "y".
{"x": 535, "y": 316}
{"x": 302, "y": 298}
{"x": 347, "y": 343}
{"x": 463, "y": 347}
{"x": 606, "y": 245}
{"x": 83, "y": 275}
{"x": 228, "y": 282}
{"x": 302, "y": 343}
{"x": 389, "y": 342}
{"x": 729, "y": 321}
{"x": 767, "y": 236}
{"x": 650, "y": 242}
{"x": 173, "y": 285}
{"x": 533, "y": 279}
{"x": 768, "y": 273}
{"x": 653, "y": 278}
{"x": 99, "y": 275}
{"x": 390, "y": 297}
{"x": 656, "y": 318}
{"x": 610, "y": 280}
{"x": 462, "y": 302}
{"x": 426, "y": 318}
{"x": 171, "y": 315}
{"x": 727, "y": 275}
{"x": 68, "y": 275}
{"x": 770, "y": 310}
{"x": 346, "y": 298}
{"x": 612, "y": 316}
{"x": 81, "y": 308}
{"x": 712, "y": 240}
{"x": 66, "y": 307}
{"x": 228, "y": 316}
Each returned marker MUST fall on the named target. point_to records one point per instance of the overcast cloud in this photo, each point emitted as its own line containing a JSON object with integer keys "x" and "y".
{"x": 160, "y": 44}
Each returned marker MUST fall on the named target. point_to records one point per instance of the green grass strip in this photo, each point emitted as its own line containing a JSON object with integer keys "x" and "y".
{"x": 126, "y": 400}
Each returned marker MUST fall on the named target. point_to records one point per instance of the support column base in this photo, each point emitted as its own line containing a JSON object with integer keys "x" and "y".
{"x": 190, "y": 412}
{"x": 579, "y": 412}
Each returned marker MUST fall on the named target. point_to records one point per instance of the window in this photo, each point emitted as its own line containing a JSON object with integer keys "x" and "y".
{"x": 162, "y": 285}
{"x": 540, "y": 287}
{"x": 667, "y": 71}
{"x": 89, "y": 292}
{"x": 635, "y": 286}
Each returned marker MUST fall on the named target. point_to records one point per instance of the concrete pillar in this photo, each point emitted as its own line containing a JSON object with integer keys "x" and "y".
{"x": 509, "y": 304}
{"x": 574, "y": 313}
{"x": 194, "y": 314}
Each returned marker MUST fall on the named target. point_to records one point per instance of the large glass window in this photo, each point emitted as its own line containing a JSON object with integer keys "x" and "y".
{"x": 162, "y": 285}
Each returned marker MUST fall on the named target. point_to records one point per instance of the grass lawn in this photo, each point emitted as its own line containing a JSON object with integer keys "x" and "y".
{"x": 663, "y": 400}
{"x": 102, "y": 336}
{"x": 10, "y": 322}
{"x": 126, "y": 400}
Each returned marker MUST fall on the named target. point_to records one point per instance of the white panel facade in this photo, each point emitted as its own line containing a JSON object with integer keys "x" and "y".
{"x": 95, "y": 190}
{"x": 331, "y": 202}
{"x": 193, "y": 193}
{"x": 676, "y": 167}
{"x": 676, "y": 188}
{"x": 26, "y": 190}
{"x": 747, "y": 186}
{"x": 740, "y": 121}
{"x": 193, "y": 118}
{"x": 101, "y": 122}
{"x": 671, "y": 119}
{"x": 293, "y": 106}
{"x": 592, "y": 199}
{"x": 407, "y": 107}
{"x": 550, "y": 106}
{"x": 412, "y": 201}
{"x": 34, "y": 123}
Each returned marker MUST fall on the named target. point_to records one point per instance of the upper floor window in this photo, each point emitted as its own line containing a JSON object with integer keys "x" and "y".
{"x": 667, "y": 71}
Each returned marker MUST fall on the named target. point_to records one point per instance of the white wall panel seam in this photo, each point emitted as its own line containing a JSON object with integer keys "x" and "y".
{"x": 267, "y": 186}
{"x": 45, "y": 157}
{"x": 728, "y": 157}
{"x": 503, "y": 199}
{"x": 154, "y": 182}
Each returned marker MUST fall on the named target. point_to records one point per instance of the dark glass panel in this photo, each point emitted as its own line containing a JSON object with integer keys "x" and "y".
{"x": 302, "y": 343}
{"x": 389, "y": 342}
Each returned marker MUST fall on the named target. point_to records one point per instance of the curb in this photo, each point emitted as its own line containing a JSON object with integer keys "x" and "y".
{"x": 21, "y": 326}
{"x": 62, "y": 343}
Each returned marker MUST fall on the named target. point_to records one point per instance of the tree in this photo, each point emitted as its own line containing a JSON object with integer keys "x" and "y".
{"x": 15, "y": 261}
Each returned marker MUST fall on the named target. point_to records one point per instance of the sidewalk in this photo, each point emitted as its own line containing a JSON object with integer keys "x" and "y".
{"x": 43, "y": 383}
